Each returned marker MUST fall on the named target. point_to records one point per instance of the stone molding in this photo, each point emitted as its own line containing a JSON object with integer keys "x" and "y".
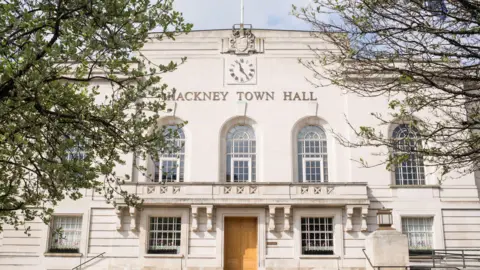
{"x": 286, "y": 218}
{"x": 195, "y": 222}
{"x": 349, "y": 209}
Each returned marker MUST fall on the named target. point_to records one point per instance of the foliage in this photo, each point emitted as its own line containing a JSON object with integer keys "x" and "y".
{"x": 424, "y": 55}
{"x": 60, "y": 132}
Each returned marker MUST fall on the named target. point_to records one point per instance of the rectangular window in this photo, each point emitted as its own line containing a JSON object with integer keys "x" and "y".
{"x": 65, "y": 234}
{"x": 313, "y": 170}
{"x": 164, "y": 235}
{"x": 434, "y": 5}
{"x": 76, "y": 154}
{"x": 419, "y": 231}
{"x": 317, "y": 236}
{"x": 410, "y": 171}
{"x": 241, "y": 168}
{"x": 170, "y": 169}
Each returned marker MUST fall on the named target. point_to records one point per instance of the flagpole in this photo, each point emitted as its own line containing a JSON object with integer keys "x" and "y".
{"x": 241, "y": 13}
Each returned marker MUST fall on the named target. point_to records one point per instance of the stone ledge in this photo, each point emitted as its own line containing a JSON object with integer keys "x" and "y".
{"x": 415, "y": 186}
{"x": 68, "y": 255}
{"x": 179, "y": 256}
{"x": 320, "y": 257}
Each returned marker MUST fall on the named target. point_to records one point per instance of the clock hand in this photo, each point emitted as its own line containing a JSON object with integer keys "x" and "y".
{"x": 243, "y": 71}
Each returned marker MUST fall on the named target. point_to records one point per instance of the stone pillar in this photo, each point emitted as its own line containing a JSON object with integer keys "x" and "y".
{"x": 387, "y": 248}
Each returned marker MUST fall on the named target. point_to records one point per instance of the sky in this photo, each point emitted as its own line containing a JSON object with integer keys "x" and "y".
{"x": 223, "y": 14}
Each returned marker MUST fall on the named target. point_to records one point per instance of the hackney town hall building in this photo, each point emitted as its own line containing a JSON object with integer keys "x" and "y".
{"x": 260, "y": 182}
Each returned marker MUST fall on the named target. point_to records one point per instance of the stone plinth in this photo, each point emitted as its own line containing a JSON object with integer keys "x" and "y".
{"x": 387, "y": 248}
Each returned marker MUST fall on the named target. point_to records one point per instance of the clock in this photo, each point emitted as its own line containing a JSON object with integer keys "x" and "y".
{"x": 241, "y": 70}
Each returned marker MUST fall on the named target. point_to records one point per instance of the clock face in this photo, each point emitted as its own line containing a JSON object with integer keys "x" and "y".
{"x": 241, "y": 70}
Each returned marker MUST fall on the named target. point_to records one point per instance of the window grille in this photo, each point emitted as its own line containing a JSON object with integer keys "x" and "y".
{"x": 406, "y": 142}
{"x": 312, "y": 155}
{"x": 419, "y": 231}
{"x": 241, "y": 154}
{"x": 65, "y": 234}
{"x": 317, "y": 236}
{"x": 171, "y": 165}
{"x": 164, "y": 235}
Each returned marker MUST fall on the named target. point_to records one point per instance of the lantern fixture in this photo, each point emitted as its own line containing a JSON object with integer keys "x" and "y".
{"x": 385, "y": 219}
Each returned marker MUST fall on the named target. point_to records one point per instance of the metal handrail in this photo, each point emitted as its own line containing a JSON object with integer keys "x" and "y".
{"x": 446, "y": 254}
{"x": 76, "y": 267}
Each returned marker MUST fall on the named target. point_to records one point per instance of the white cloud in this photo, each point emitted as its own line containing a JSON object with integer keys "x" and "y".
{"x": 222, "y": 14}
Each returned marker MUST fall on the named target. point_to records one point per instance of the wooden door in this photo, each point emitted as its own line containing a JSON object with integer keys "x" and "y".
{"x": 240, "y": 246}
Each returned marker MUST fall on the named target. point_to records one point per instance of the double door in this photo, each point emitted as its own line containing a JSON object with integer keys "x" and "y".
{"x": 241, "y": 244}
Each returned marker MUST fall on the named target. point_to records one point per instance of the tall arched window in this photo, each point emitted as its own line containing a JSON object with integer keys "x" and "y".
{"x": 241, "y": 154}
{"x": 312, "y": 155}
{"x": 405, "y": 142}
{"x": 171, "y": 164}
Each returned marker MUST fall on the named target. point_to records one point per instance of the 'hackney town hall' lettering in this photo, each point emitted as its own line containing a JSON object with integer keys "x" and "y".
{"x": 242, "y": 96}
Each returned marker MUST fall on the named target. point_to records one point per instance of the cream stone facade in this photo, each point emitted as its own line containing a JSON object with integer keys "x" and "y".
{"x": 321, "y": 223}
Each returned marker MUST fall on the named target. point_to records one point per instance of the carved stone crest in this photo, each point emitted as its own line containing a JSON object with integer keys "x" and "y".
{"x": 243, "y": 41}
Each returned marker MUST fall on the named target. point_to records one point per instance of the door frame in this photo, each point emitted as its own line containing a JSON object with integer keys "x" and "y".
{"x": 259, "y": 213}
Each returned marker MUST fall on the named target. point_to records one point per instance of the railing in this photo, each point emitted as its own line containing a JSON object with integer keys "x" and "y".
{"x": 410, "y": 267}
{"x": 80, "y": 265}
{"x": 460, "y": 258}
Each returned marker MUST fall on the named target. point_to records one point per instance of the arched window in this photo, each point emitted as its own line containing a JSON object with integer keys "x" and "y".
{"x": 312, "y": 155}
{"x": 241, "y": 154}
{"x": 405, "y": 142}
{"x": 171, "y": 164}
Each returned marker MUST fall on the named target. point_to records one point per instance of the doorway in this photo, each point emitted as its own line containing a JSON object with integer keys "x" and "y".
{"x": 240, "y": 245}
